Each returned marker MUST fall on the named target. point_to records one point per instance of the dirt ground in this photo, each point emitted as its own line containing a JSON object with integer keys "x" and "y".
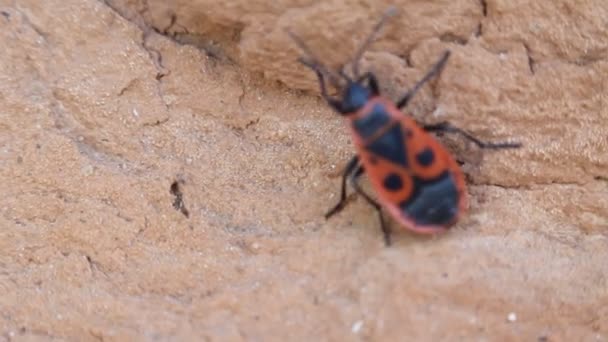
{"x": 166, "y": 166}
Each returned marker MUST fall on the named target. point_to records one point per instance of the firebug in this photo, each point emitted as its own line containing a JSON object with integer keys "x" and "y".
{"x": 415, "y": 178}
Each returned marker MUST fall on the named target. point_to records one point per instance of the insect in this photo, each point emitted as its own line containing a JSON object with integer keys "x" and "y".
{"x": 414, "y": 177}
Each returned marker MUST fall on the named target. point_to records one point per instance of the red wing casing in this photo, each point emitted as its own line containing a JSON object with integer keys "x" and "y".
{"x": 414, "y": 176}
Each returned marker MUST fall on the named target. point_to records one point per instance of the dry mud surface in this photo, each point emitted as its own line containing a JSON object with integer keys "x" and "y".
{"x": 165, "y": 169}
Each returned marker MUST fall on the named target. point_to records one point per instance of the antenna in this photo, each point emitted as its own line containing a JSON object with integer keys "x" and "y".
{"x": 312, "y": 61}
{"x": 391, "y": 11}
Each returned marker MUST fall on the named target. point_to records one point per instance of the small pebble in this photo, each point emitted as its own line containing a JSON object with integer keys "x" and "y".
{"x": 357, "y": 327}
{"x": 512, "y": 317}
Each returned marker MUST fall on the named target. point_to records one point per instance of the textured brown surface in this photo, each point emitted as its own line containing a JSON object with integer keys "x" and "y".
{"x": 105, "y": 105}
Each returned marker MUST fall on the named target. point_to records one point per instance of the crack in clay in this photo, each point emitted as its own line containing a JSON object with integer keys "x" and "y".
{"x": 40, "y": 333}
{"x": 157, "y": 122}
{"x": 155, "y": 55}
{"x": 252, "y": 123}
{"x": 172, "y": 23}
{"x": 450, "y": 37}
{"x": 207, "y": 49}
{"x": 94, "y": 266}
{"x": 141, "y": 230}
{"x": 407, "y": 58}
{"x": 531, "y": 61}
{"x": 601, "y": 178}
{"x": 529, "y": 186}
{"x": 590, "y": 58}
{"x": 98, "y": 336}
{"x": 129, "y": 85}
{"x": 243, "y": 93}
{"x": 28, "y": 22}
{"x": 43, "y": 35}
{"x": 484, "y": 7}
{"x": 93, "y": 153}
{"x": 62, "y": 194}
{"x": 479, "y": 30}
{"x": 484, "y": 12}
{"x": 157, "y": 60}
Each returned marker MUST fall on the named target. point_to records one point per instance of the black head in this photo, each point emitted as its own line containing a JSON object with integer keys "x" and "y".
{"x": 355, "y": 93}
{"x": 355, "y": 96}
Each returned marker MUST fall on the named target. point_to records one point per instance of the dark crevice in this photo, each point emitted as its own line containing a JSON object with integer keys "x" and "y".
{"x": 407, "y": 58}
{"x": 146, "y": 226}
{"x": 98, "y": 336}
{"x": 408, "y": 61}
{"x": 157, "y": 59}
{"x": 601, "y": 178}
{"x": 453, "y": 38}
{"x": 155, "y": 55}
{"x": 137, "y": 21}
{"x": 531, "y": 62}
{"x": 252, "y": 123}
{"x": 484, "y": 12}
{"x": 172, "y": 23}
{"x": 590, "y": 58}
{"x": 527, "y": 186}
{"x": 156, "y": 123}
{"x": 479, "y": 30}
{"x": 243, "y": 93}
{"x": 178, "y": 202}
{"x": 184, "y": 38}
{"x": 36, "y": 29}
{"x": 127, "y": 87}
{"x": 94, "y": 266}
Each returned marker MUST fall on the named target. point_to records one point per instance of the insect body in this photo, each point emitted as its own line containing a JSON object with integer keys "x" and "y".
{"x": 415, "y": 178}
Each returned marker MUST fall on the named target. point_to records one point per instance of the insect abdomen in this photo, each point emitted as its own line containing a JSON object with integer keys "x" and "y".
{"x": 434, "y": 202}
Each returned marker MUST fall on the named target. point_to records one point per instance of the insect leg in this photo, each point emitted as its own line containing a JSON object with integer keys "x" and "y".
{"x": 435, "y": 69}
{"x": 348, "y": 170}
{"x": 354, "y": 181}
{"x": 446, "y": 127}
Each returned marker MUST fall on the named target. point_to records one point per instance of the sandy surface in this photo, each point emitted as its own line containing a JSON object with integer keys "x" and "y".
{"x": 166, "y": 168}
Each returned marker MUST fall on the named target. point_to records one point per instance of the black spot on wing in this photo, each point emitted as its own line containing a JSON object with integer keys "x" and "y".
{"x": 390, "y": 146}
{"x": 393, "y": 182}
{"x": 434, "y": 202}
{"x": 372, "y": 122}
{"x": 425, "y": 157}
